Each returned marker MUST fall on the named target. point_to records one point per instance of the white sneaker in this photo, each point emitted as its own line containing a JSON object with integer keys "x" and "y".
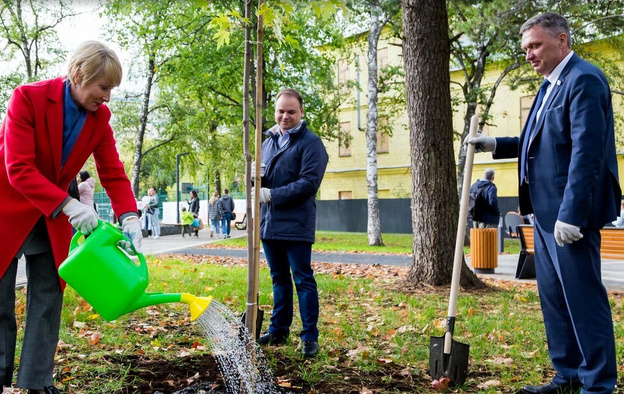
{"x": 156, "y": 236}
{"x": 211, "y": 233}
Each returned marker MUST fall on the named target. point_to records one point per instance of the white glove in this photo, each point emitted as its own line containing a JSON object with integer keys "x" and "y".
{"x": 566, "y": 233}
{"x": 81, "y": 216}
{"x": 253, "y": 169}
{"x": 265, "y": 194}
{"x": 482, "y": 143}
{"x": 131, "y": 228}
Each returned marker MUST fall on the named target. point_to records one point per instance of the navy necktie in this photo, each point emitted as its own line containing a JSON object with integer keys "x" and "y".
{"x": 528, "y": 133}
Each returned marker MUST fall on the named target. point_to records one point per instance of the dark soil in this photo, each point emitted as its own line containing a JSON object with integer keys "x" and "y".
{"x": 200, "y": 374}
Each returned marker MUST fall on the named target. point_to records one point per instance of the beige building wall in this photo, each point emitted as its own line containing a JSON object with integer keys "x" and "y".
{"x": 346, "y": 172}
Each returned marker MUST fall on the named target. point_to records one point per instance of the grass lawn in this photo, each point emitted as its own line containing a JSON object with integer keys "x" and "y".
{"x": 329, "y": 241}
{"x": 375, "y": 333}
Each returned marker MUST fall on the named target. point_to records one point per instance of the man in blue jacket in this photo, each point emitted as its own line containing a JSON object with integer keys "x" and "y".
{"x": 568, "y": 177}
{"x": 294, "y": 161}
{"x": 490, "y": 213}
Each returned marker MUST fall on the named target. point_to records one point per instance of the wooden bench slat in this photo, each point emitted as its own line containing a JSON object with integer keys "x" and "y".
{"x": 612, "y": 245}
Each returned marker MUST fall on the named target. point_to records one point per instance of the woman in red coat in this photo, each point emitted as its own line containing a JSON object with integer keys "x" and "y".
{"x": 50, "y": 130}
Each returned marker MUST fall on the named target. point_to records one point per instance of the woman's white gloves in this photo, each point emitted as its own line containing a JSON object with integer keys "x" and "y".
{"x": 131, "y": 228}
{"x": 81, "y": 216}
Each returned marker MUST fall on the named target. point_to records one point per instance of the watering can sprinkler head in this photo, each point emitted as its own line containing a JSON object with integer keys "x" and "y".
{"x": 198, "y": 305}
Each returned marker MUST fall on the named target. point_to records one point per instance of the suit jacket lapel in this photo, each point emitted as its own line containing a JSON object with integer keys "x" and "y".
{"x": 553, "y": 94}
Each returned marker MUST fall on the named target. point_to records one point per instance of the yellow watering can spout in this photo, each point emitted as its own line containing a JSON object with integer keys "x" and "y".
{"x": 198, "y": 305}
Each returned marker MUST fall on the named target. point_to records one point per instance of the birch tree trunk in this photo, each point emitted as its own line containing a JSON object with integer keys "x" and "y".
{"x": 374, "y": 222}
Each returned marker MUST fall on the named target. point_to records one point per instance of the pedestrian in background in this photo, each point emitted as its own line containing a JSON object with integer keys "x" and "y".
{"x": 226, "y": 209}
{"x": 50, "y": 129}
{"x": 488, "y": 209}
{"x": 86, "y": 188}
{"x": 214, "y": 214}
{"x": 187, "y": 220}
{"x": 154, "y": 212}
{"x": 194, "y": 208}
{"x": 568, "y": 178}
{"x": 294, "y": 161}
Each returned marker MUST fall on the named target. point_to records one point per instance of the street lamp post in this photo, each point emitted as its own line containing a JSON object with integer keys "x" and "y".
{"x": 178, "y": 183}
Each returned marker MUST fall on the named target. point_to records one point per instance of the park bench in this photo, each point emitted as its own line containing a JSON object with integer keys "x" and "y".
{"x": 242, "y": 225}
{"x": 611, "y": 247}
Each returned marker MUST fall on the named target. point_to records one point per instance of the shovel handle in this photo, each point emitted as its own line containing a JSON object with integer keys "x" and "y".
{"x": 461, "y": 233}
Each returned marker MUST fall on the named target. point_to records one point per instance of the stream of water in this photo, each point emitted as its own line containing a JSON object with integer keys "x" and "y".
{"x": 240, "y": 359}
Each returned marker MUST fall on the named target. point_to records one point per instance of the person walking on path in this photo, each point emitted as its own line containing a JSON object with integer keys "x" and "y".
{"x": 50, "y": 129}
{"x": 154, "y": 212}
{"x": 194, "y": 208}
{"x": 490, "y": 214}
{"x": 187, "y": 220}
{"x": 214, "y": 214}
{"x": 568, "y": 178}
{"x": 294, "y": 161}
{"x": 226, "y": 209}
{"x": 86, "y": 188}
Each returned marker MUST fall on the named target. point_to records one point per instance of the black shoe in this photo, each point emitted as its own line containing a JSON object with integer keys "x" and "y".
{"x": 552, "y": 388}
{"x": 269, "y": 338}
{"x": 46, "y": 390}
{"x": 310, "y": 348}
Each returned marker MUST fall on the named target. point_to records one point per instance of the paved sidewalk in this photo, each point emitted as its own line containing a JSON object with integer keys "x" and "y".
{"x": 612, "y": 270}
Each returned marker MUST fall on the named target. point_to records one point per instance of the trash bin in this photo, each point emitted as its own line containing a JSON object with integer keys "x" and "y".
{"x": 484, "y": 250}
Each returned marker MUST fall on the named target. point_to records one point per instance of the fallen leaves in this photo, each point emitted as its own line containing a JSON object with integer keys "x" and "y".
{"x": 441, "y": 383}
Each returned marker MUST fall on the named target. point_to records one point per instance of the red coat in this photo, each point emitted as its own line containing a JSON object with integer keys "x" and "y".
{"x": 32, "y": 182}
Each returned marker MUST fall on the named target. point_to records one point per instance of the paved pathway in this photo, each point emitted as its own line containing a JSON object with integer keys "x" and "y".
{"x": 612, "y": 270}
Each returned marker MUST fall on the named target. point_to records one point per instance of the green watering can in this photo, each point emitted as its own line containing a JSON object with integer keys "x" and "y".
{"x": 112, "y": 282}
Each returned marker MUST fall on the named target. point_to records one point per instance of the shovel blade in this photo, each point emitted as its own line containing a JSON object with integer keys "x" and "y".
{"x": 259, "y": 319}
{"x": 453, "y": 366}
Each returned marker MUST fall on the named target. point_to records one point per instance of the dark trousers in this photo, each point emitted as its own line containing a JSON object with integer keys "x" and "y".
{"x": 225, "y": 223}
{"x": 43, "y": 318}
{"x": 282, "y": 258}
{"x": 576, "y": 310}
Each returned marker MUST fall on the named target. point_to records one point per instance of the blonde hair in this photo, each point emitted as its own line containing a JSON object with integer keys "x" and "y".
{"x": 93, "y": 60}
{"x": 214, "y": 197}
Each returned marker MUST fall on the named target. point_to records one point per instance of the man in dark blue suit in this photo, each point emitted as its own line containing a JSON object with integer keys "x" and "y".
{"x": 568, "y": 178}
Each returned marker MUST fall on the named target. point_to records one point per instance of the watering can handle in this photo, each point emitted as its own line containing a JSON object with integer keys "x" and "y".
{"x": 76, "y": 238}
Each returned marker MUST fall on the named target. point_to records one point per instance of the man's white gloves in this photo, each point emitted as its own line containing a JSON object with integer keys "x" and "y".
{"x": 482, "y": 143}
{"x": 131, "y": 228}
{"x": 253, "y": 169}
{"x": 81, "y": 216}
{"x": 265, "y": 194}
{"x": 566, "y": 233}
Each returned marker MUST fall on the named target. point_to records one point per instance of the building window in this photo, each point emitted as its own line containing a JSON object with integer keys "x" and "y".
{"x": 525, "y": 107}
{"x": 344, "y": 140}
{"x": 382, "y": 58}
{"x": 343, "y": 75}
{"x": 383, "y": 145}
{"x": 346, "y": 195}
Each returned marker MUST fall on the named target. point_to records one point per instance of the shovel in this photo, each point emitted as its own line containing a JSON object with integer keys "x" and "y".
{"x": 448, "y": 358}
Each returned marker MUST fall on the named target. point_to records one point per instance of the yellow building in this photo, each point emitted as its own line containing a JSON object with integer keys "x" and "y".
{"x": 345, "y": 177}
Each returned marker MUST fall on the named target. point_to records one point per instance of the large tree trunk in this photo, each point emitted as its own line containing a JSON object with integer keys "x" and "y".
{"x": 435, "y": 204}
{"x": 374, "y": 222}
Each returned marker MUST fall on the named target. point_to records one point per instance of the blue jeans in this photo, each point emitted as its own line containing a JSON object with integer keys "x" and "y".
{"x": 225, "y": 223}
{"x": 284, "y": 257}
{"x": 214, "y": 223}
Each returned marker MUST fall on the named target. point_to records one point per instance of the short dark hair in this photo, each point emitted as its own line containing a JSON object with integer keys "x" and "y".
{"x": 290, "y": 92}
{"x": 84, "y": 175}
{"x": 226, "y": 191}
{"x": 551, "y": 21}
